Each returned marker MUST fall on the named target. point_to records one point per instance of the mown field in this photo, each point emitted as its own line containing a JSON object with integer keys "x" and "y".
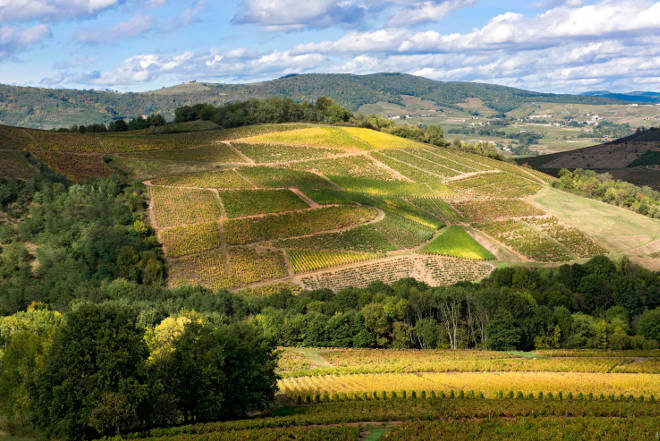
{"x": 331, "y": 206}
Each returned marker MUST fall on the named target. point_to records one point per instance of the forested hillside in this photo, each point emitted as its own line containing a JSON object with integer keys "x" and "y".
{"x": 48, "y": 108}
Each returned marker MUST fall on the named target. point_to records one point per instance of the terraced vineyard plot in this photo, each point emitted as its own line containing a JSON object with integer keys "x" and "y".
{"x": 436, "y": 207}
{"x": 146, "y": 169}
{"x": 525, "y": 239}
{"x": 434, "y": 270}
{"x": 479, "y": 210}
{"x": 304, "y": 261}
{"x": 405, "y": 209}
{"x": 338, "y": 197}
{"x": 133, "y": 142}
{"x": 528, "y": 429}
{"x": 469, "y": 160}
{"x": 174, "y": 206}
{"x": 502, "y": 185}
{"x": 454, "y": 241}
{"x": 63, "y": 142}
{"x": 208, "y": 269}
{"x": 576, "y": 242}
{"x": 332, "y": 137}
{"x": 446, "y": 160}
{"x": 215, "y": 179}
{"x": 247, "y": 265}
{"x": 78, "y": 168}
{"x": 401, "y": 232}
{"x": 376, "y": 187}
{"x": 236, "y": 133}
{"x": 251, "y": 202}
{"x": 270, "y": 177}
{"x": 213, "y": 270}
{"x": 422, "y": 163}
{"x": 189, "y": 239}
{"x": 379, "y": 140}
{"x": 210, "y": 153}
{"x": 356, "y": 166}
{"x": 413, "y": 173}
{"x": 15, "y": 138}
{"x": 278, "y": 226}
{"x": 487, "y": 383}
{"x": 263, "y": 153}
{"x": 392, "y": 233}
{"x": 16, "y": 165}
{"x": 360, "y": 239}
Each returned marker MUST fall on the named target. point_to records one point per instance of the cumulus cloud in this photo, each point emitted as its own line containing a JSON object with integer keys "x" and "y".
{"x": 207, "y": 64}
{"x": 510, "y": 30}
{"x": 135, "y": 26}
{"x": 52, "y": 10}
{"x": 428, "y": 11}
{"x": 14, "y": 39}
{"x": 287, "y": 15}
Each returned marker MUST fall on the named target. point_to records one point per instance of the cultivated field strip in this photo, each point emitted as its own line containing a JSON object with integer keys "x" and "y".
{"x": 435, "y": 270}
{"x": 488, "y": 384}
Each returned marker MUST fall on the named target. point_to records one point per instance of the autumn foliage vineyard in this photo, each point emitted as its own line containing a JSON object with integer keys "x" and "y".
{"x": 320, "y": 197}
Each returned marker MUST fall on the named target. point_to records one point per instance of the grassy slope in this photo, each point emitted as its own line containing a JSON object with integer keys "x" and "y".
{"x": 618, "y": 229}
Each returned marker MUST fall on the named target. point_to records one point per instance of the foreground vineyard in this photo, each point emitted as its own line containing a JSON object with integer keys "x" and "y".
{"x": 518, "y": 384}
{"x": 297, "y": 362}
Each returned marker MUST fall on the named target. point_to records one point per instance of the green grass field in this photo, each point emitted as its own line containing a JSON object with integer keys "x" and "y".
{"x": 617, "y": 229}
{"x": 454, "y": 241}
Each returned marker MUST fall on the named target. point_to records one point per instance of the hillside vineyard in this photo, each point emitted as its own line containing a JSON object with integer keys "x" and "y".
{"x": 327, "y": 206}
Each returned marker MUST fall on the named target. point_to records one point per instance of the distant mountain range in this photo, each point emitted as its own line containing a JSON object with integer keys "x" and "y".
{"x": 633, "y": 97}
{"x": 47, "y": 108}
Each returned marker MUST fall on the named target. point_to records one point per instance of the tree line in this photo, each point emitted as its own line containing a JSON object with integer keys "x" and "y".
{"x": 118, "y": 125}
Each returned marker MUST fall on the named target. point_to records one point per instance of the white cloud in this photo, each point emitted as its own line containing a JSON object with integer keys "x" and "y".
{"x": 14, "y": 39}
{"x": 52, "y": 10}
{"x": 512, "y": 30}
{"x": 137, "y": 69}
{"x": 428, "y": 11}
{"x": 288, "y": 15}
{"x": 133, "y": 27}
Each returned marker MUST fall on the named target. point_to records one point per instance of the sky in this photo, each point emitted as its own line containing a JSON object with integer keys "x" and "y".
{"x": 561, "y": 46}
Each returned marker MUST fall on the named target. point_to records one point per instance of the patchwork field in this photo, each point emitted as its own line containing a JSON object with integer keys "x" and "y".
{"x": 330, "y": 206}
{"x": 374, "y": 206}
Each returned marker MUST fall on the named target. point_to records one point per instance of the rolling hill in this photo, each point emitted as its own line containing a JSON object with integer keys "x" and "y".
{"x": 634, "y": 97}
{"x": 633, "y": 158}
{"x": 330, "y": 206}
{"x": 48, "y": 108}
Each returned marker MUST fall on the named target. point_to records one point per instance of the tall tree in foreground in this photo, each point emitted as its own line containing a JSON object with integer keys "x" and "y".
{"x": 94, "y": 377}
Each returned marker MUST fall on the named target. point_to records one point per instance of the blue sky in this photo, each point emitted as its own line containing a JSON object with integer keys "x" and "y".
{"x": 135, "y": 45}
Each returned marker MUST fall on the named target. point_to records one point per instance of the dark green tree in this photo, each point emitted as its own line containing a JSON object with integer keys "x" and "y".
{"x": 94, "y": 380}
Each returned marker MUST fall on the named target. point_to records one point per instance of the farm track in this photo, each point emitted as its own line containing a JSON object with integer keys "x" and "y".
{"x": 388, "y": 168}
{"x": 304, "y": 197}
